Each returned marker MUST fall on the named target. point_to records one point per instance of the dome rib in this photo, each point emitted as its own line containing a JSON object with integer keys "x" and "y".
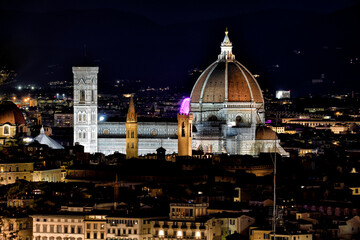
{"x": 214, "y": 91}
{"x": 258, "y": 97}
{"x": 196, "y": 93}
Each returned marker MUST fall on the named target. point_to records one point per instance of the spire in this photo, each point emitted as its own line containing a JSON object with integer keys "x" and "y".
{"x": 226, "y": 48}
{"x": 131, "y": 115}
{"x": 42, "y": 131}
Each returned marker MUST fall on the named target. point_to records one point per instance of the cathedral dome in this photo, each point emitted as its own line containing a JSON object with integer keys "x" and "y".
{"x": 226, "y": 80}
{"x": 265, "y": 133}
{"x": 10, "y": 113}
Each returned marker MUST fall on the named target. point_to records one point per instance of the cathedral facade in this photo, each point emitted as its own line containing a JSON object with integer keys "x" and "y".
{"x": 225, "y": 115}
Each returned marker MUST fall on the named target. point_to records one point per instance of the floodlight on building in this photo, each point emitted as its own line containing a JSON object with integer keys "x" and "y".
{"x": 185, "y": 106}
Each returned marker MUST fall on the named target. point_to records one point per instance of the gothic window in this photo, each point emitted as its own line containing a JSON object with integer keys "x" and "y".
{"x": 82, "y": 95}
{"x": 79, "y": 117}
{"x": 79, "y": 134}
{"x": 92, "y": 96}
{"x": 183, "y": 130}
{"x": 132, "y": 134}
{"x": 6, "y": 130}
{"x": 84, "y": 135}
{"x": 84, "y": 117}
{"x": 190, "y": 129}
{"x": 128, "y": 135}
{"x": 132, "y": 145}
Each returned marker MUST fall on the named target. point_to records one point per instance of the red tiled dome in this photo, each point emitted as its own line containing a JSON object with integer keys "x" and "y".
{"x": 226, "y": 80}
{"x": 10, "y": 113}
{"x": 230, "y": 76}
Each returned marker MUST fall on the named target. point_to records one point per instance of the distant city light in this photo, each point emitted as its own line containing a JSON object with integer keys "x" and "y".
{"x": 282, "y": 94}
{"x": 101, "y": 118}
{"x": 185, "y": 106}
{"x": 27, "y": 140}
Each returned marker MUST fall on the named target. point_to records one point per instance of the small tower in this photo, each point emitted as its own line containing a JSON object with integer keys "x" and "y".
{"x": 85, "y": 107}
{"x": 184, "y": 134}
{"x": 131, "y": 132}
{"x": 185, "y": 129}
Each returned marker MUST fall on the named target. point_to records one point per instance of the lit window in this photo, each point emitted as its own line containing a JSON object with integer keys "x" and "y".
{"x": 6, "y": 130}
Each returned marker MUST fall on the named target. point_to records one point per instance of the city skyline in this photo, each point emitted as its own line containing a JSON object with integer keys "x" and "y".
{"x": 41, "y": 42}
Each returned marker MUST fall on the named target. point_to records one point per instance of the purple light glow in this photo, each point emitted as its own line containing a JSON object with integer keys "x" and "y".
{"x": 185, "y": 106}
{"x": 268, "y": 121}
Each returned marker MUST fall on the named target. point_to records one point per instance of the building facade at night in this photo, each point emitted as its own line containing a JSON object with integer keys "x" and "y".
{"x": 226, "y": 105}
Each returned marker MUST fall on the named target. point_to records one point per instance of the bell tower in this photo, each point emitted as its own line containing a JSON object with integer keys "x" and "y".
{"x": 184, "y": 134}
{"x": 85, "y": 107}
{"x": 131, "y": 132}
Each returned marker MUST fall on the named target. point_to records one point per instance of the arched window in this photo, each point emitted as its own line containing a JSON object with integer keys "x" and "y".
{"x": 6, "y": 130}
{"x": 84, "y": 135}
{"x": 132, "y": 134}
{"x": 238, "y": 120}
{"x": 183, "y": 129}
{"x": 79, "y": 134}
{"x": 84, "y": 117}
{"x": 82, "y": 95}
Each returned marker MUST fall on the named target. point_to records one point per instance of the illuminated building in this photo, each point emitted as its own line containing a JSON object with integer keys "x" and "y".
{"x": 131, "y": 132}
{"x": 63, "y": 120}
{"x": 129, "y": 227}
{"x": 281, "y": 94}
{"x": 85, "y": 107}
{"x": 15, "y": 170}
{"x": 95, "y": 227}
{"x": 42, "y": 138}
{"x": 184, "y": 134}
{"x": 12, "y": 171}
{"x": 58, "y": 227}
{"x": 16, "y": 228}
{"x": 12, "y": 121}
{"x": 186, "y": 221}
{"x": 226, "y": 109}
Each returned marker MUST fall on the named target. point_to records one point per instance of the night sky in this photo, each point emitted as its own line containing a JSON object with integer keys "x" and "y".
{"x": 288, "y": 43}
